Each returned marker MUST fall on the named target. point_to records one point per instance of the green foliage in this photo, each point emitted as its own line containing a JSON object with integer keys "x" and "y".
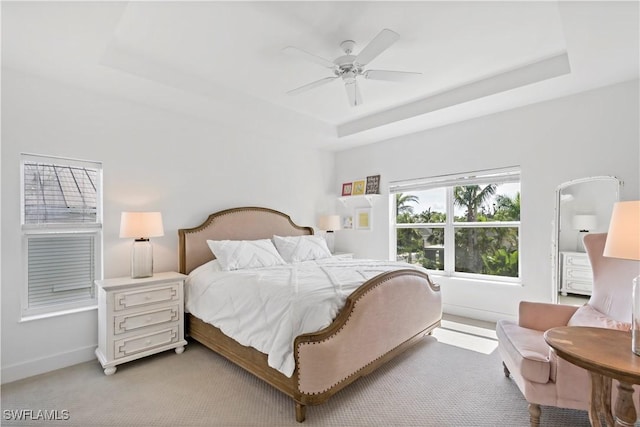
{"x": 484, "y": 250}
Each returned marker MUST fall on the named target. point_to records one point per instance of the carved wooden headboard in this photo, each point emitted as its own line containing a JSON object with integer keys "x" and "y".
{"x": 246, "y": 223}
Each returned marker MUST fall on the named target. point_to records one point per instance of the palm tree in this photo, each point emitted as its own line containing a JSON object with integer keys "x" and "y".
{"x": 408, "y": 239}
{"x": 506, "y": 208}
{"x": 473, "y": 198}
{"x": 403, "y": 202}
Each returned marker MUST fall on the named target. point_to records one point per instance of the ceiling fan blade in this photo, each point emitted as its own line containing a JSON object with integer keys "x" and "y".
{"x": 353, "y": 93}
{"x": 379, "y": 44}
{"x": 311, "y": 85}
{"x": 295, "y": 51}
{"x": 392, "y": 76}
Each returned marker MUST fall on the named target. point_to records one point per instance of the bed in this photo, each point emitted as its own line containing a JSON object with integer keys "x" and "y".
{"x": 380, "y": 319}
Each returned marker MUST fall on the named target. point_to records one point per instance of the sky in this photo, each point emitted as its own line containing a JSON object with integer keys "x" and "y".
{"x": 436, "y": 198}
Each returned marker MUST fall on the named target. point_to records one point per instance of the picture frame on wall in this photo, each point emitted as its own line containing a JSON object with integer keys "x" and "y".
{"x": 373, "y": 184}
{"x": 347, "y": 222}
{"x": 363, "y": 219}
{"x": 346, "y": 188}
{"x": 359, "y": 187}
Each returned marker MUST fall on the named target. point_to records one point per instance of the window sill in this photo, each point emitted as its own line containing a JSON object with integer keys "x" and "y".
{"x": 29, "y": 318}
{"x": 441, "y": 278}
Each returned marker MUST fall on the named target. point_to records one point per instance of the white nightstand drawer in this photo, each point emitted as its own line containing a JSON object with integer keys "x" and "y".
{"x": 137, "y": 298}
{"x": 573, "y": 285}
{"x": 577, "y": 261}
{"x": 129, "y": 322}
{"x": 128, "y": 346}
{"x": 578, "y": 273}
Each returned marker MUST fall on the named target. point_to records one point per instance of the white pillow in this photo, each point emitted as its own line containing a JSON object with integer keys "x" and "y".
{"x": 238, "y": 254}
{"x": 302, "y": 248}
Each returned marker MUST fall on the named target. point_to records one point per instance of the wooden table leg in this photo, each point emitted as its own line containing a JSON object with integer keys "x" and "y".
{"x": 606, "y": 401}
{"x": 595, "y": 399}
{"x": 625, "y": 411}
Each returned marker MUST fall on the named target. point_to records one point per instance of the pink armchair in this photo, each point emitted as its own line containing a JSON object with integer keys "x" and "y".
{"x": 542, "y": 377}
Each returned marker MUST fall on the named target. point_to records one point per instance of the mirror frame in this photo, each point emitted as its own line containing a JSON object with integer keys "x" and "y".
{"x": 555, "y": 253}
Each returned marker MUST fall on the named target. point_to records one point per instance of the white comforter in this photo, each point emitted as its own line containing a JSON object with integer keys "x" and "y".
{"x": 266, "y": 308}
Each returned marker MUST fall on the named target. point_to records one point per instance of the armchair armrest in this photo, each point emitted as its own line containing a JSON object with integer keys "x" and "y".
{"x": 543, "y": 316}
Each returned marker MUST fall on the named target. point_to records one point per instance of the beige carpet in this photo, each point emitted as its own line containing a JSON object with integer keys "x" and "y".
{"x": 432, "y": 384}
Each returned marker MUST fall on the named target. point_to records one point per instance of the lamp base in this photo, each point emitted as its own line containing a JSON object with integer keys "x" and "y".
{"x": 330, "y": 239}
{"x": 141, "y": 259}
{"x": 580, "y": 242}
{"x": 635, "y": 317}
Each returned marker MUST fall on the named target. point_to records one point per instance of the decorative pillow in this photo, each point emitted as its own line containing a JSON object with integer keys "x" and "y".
{"x": 589, "y": 316}
{"x": 238, "y": 254}
{"x": 302, "y": 248}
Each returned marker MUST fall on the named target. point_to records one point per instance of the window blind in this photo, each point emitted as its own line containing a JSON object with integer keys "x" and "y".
{"x": 61, "y": 268}
{"x": 482, "y": 177}
{"x": 61, "y": 217}
{"x": 59, "y": 194}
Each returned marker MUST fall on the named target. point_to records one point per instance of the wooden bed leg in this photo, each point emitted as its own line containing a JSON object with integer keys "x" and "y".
{"x": 301, "y": 411}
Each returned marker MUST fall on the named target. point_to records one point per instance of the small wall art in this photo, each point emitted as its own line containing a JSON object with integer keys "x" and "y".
{"x": 363, "y": 219}
{"x": 358, "y": 187}
{"x": 373, "y": 184}
{"x": 347, "y": 222}
{"x": 346, "y": 188}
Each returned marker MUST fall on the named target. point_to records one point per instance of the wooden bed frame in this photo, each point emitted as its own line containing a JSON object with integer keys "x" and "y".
{"x": 380, "y": 319}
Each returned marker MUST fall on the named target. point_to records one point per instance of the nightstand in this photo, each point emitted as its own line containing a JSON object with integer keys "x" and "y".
{"x": 577, "y": 277}
{"x": 139, "y": 317}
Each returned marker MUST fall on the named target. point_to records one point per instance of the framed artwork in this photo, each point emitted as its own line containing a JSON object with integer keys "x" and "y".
{"x": 358, "y": 187}
{"x": 363, "y": 219}
{"x": 346, "y": 188}
{"x": 373, "y": 184}
{"x": 347, "y": 222}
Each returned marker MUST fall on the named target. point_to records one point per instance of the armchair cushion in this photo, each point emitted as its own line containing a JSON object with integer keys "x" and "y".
{"x": 544, "y": 316}
{"x": 527, "y": 349}
{"x": 589, "y": 316}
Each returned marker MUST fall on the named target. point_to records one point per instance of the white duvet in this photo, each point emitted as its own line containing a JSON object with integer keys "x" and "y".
{"x": 266, "y": 308}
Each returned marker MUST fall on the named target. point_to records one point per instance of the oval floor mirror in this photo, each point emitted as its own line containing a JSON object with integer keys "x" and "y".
{"x": 582, "y": 206}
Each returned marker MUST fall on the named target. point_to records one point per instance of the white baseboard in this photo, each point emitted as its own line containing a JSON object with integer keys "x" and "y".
{"x": 33, "y": 367}
{"x": 474, "y": 313}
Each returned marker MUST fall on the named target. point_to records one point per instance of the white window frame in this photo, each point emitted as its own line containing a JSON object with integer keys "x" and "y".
{"x": 43, "y": 230}
{"x": 492, "y": 176}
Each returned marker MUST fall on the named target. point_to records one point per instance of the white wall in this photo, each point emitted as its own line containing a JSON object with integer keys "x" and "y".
{"x": 594, "y": 133}
{"x": 153, "y": 160}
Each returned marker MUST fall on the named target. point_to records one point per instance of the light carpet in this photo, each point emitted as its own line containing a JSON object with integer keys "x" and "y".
{"x": 432, "y": 384}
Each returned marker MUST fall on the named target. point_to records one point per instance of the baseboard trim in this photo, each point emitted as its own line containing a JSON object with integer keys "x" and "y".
{"x": 42, "y": 365}
{"x": 474, "y": 313}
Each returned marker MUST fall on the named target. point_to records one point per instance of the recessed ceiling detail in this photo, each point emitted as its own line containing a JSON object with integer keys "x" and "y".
{"x": 222, "y": 62}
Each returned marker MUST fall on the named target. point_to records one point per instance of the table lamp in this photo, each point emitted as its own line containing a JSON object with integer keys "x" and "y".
{"x": 623, "y": 241}
{"x": 329, "y": 223}
{"x": 584, "y": 224}
{"x": 141, "y": 226}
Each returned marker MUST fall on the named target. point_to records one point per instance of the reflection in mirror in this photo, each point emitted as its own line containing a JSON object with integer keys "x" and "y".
{"x": 582, "y": 206}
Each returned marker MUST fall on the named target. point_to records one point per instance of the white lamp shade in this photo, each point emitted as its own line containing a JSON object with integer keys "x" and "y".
{"x": 623, "y": 239}
{"x": 141, "y": 225}
{"x": 329, "y": 222}
{"x": 584, "y": 222}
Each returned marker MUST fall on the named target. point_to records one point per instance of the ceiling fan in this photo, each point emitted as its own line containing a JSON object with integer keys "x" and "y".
{"x": 348, "y": 67}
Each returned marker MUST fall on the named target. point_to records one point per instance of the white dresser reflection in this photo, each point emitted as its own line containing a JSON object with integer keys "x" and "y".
{"x": 576, "y": 276}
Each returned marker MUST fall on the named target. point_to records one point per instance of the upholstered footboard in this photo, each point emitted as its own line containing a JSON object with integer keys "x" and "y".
{"x": 381, "y": 319}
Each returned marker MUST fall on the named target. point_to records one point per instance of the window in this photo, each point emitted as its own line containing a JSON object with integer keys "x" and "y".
{"x": 460, "y": 225}
{"x": 62, "y": 233}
